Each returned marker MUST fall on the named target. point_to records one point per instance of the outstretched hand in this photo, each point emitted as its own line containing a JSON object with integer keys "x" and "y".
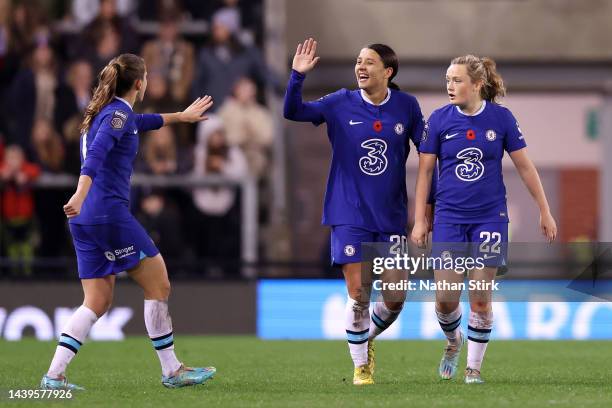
{"x": 194, "y": 112}
{"x": 304, "y": 59}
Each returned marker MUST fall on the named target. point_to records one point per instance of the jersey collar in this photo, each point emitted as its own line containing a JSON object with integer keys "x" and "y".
{"x": 124, "y": 101}
{"x": 482, "y": 108}
{"x": 365, "y": 97}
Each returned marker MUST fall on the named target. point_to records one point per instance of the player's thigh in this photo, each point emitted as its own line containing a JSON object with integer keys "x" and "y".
{"x": 481, "y": 284}
{"x": 152, "y": 276}
{"x": 98, "y": 293}
{"x": 449, "y": 242}
{"x": 394, "y": 245}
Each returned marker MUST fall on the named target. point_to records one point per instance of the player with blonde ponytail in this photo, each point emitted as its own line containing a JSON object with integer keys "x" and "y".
{"x": 468, "y": 138}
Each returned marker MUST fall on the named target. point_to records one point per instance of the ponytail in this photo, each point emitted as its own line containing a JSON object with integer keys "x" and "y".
{"x": 485, "y": 70}
{"x": 116, "y": 79}
{"x": 103, "y": 94}
{"x": 493, "y": 88}
{"x": 394, "y": 86}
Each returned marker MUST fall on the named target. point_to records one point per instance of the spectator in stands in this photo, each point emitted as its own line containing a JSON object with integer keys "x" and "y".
{"x": 157, "y": 96}
{"x": 249, "y": 14}
{"x": 155, "y": 10}
{"x": 84, "y": 12}
{"x": 71, "y": 105}
{"x": 159, "y": 152}
{"x": 9, "y": 46}
{"x": 26, "y": 19}
{"x": 157, "y": 99}
{"x": 50, "y": 153}
{"x": 109, "y": 18}
{"x": 162, "y": 157}
{"x": 172, "y": 57}
{"x": 34, "y": 92}
{"x": 48, "y": 147}
{"x": 163, "y": 223}
{"x": 80, "y": 79}
{"x": 249, "y": 19}
{"x": 217, "y": 219}
{"x": 224, "y": 59}
{"x": 248, "y": 125}
{"x": 107, "y": 46}
{"x": 17, "y": 203}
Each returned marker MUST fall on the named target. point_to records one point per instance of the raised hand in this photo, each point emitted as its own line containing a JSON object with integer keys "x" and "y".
{"x": 193, "y": 113}
{"x": 304, "y": 59}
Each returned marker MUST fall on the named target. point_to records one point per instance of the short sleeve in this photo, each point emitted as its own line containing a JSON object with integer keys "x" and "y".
{"x": 430, "y": 138}
{"x": 514, "y": 139}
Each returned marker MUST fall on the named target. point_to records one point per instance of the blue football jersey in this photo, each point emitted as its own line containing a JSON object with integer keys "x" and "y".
{"x": 108, "y": 150}
{"x": 470, "y": 186}
{"x": 366, "y": 186}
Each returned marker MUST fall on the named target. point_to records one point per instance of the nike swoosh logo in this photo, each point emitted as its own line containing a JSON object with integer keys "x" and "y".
{"x": 521, "y": 138}
{"x": 489, "y": 256}
{"x": 354, "y": 123}
{"x": 453, "y": 135}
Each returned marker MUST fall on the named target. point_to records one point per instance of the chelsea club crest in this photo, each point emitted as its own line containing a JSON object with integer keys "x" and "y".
{"x": 399, "y": 128}
{"x": 491, "y": 135}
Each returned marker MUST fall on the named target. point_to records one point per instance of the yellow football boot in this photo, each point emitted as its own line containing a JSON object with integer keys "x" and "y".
{"x": 371, "y": 361}
{"x": 362, "y": 376}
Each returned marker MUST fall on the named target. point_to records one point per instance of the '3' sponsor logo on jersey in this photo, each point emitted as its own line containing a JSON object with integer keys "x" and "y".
{"x": 472, "y": 168}
{"x": 375, "y": 162}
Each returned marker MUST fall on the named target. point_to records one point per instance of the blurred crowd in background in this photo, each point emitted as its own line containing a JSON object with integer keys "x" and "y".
{"x": 50, "y": 55}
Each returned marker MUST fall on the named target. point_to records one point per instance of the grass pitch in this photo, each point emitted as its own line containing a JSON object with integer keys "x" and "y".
{"x": 255, "y": 373}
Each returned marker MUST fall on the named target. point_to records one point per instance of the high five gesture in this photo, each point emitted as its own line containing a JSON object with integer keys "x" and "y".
{"x": 304, "y": 59}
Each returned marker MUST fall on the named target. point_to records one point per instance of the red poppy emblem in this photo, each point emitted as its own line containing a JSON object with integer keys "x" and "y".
{"x": 471, "y": 135}
{"x": 378, "y": 126}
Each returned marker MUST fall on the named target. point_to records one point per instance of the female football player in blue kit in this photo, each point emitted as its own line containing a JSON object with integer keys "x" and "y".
{"x": 107, "y": 238}
{"x": 468, "y": 138}
{"x": 369, "y": 130}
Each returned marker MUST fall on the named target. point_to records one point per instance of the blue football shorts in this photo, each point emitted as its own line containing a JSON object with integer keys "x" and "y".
{"x": 106, "y": 249}
{"x": 488, "y": 241}
{"x": 346, "y": 242}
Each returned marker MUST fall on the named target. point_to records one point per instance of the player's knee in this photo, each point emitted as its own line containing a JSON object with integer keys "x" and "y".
{"x": 358, "y": 294}
{"x": 447, "y": 307}
{"x": 395, "y": 306}
{"x": 159, "y": 291}
{"x": 98, "y": 305}
{"x": 165, "y": 289}
{"x": 480, "y": 306}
